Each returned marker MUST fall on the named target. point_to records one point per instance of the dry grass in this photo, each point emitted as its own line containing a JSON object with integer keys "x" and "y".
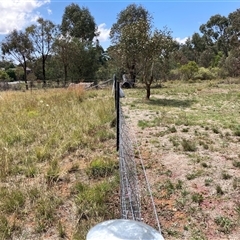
{"x": 189, "y": 138}
{"x": 48, "y": 141}
{"x": 58, "y": 160}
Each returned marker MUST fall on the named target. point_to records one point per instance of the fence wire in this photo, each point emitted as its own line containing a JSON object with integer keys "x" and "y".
{"x": 130, "y": 194}
{"x": 134, "y": 192}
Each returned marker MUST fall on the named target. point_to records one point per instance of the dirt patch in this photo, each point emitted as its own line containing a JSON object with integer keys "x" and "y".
{"x": 193, "y": 171}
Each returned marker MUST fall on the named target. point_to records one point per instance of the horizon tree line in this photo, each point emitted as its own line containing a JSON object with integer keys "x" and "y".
{"x": 71, "y": 51}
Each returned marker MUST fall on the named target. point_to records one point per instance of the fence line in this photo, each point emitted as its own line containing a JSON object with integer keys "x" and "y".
{"x": 132, "y": 192}
{"x": 133, "y": 223}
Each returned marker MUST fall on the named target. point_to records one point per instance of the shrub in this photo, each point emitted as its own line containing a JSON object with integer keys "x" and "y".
{"x": 204, "y": 74}
{"x": 174, "y": 74}
{"x": 232, "y": 65}
{"x": 236, "y": 164}
{"x": 3, "y": 75}
{"x": 219, "y": 190}
{"x": 188, "y": 70}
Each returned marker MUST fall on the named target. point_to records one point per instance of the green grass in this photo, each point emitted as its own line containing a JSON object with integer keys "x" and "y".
{"x": 219, "y": 190}
{"x": 192, "y": 107}
{"x": 5, "y": 228}
{"x": 12, "y": 200}
{"x": 101, "y": 167}
{"x": 58, "y": 155}
{"x": 47, "y": 126}
{"x": 197, "y": 198}
{"x": 189, "y": 145}
{"x": 196, "y": 126}
{"x": 224, "y": 224}
{"x": 93, "y": 205}
{"x": 208, "y": 182}
{"x": 45, "y": 211}
{"x": 226, "y": 176}
{"x": 48, "y": 141}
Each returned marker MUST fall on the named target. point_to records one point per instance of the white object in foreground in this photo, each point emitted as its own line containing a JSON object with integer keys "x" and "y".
{"x": 123, "y": 229}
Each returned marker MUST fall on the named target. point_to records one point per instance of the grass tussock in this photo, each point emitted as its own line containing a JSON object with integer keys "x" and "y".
{"x": 101, "y": 167}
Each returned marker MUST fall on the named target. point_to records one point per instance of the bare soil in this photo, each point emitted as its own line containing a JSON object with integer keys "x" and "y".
{"x": 197, "y": 191}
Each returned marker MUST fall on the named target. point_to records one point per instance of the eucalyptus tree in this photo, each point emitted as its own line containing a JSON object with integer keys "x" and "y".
{"x": 232, "y": 63}
{"x": 79, "y": 60}
{"x": 138, "y": 46}
{"x": 216, "y": 32}
{"x": 234, "y": 28}
{"x": 103, "y": 56}
{"x": 42, "y": 35}
{"x": 84, "y": 61}
{"x": 129, "y": 17}
{"x": 167, "y": 60}
{"x": 208, "y": 58}
{"x": 198, "y": 46}
{"x": 64, "y": 50}
{"x": 79, "y": 23}
{"x": 76, "y": 49}
{"x": 19, "y": 47}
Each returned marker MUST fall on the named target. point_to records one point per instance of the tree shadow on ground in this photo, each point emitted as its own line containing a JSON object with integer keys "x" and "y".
{"x": 171, "y": 102}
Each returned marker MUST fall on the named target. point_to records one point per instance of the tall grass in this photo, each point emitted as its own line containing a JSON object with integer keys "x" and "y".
{"x": 44, "y": 136}
{"x": 42, "y": 126}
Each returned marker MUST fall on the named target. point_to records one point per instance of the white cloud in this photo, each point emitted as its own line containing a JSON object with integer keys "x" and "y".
{"x": 16, "y": 14}
{"x": 49, "y": 11}
{"x": 183, "y": 40}
{"x": 104, "y": 33}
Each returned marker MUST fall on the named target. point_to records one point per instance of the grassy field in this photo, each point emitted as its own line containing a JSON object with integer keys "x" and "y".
{"x": 58, "y": 163}
{"x": 189, "y": 136}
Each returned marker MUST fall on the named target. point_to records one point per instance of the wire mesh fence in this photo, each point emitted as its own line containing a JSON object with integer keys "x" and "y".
{"x": 135, "y": 195}
{"x": 130, "y": 194}
{"x": 137, "y": 202}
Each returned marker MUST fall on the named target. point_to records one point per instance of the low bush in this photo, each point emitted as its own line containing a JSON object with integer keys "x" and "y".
{"x": 204, "y": 74}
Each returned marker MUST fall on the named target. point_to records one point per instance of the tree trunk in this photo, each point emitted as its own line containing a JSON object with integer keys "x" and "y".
{"x": 148, "y": 89}
{"x": 65, "y": 75}
{"x": 133, "y": 74}
{"x": 44, "y": 73}
{"x": 25, "y": 74}
{"x": 149, "y": 83}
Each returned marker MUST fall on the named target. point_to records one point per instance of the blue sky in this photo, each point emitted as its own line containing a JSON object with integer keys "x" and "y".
{"x": 182, "y": 17}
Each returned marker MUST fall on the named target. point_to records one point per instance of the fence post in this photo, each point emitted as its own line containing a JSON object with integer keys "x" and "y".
{"x": 117, "y": 102}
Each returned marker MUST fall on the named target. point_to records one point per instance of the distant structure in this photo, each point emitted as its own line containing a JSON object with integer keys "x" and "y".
{"x": 84, "y": 85}
{"x": 126, "y": 82}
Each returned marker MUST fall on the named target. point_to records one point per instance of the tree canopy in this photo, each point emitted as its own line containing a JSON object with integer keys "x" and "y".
{"x": 42, "y": 36}
{"x": 138, "y": 44}
{"x": 19, "y": 47}
{"x": 71, "y": 52}
{"x": 78, "y": 22}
